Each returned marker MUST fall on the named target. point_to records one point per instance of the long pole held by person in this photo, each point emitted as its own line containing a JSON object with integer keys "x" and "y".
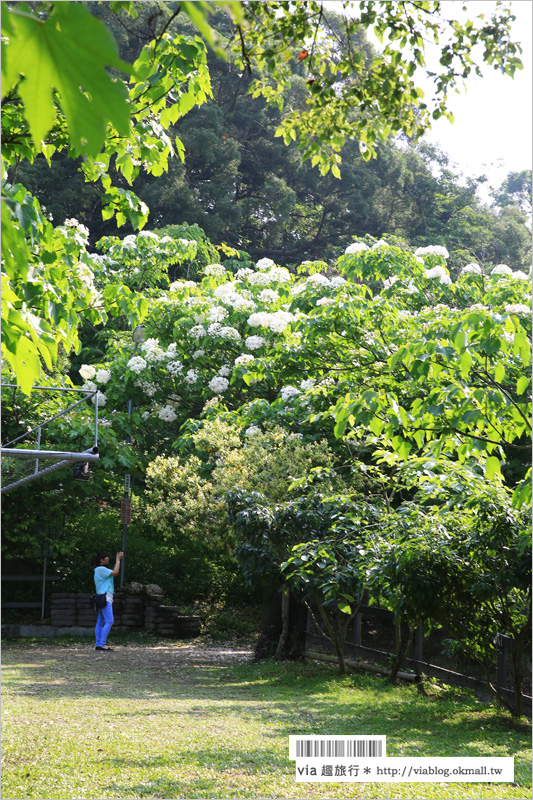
{"x": 138, "y": 336}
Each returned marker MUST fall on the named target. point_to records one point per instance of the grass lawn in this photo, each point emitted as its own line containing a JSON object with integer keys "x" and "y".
{"x": 173, "y": 720}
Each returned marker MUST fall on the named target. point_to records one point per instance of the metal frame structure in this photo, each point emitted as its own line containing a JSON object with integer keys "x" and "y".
{"x": 63, "y": 458}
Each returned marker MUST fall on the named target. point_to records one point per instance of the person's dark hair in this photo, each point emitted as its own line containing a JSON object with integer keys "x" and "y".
{"x": 95, "y": 560}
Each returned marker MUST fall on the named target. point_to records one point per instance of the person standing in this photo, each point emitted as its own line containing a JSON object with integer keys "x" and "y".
{"x": 103, "y": 581}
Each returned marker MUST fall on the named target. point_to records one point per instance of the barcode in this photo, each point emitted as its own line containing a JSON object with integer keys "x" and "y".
{"x": 332, "y": 747}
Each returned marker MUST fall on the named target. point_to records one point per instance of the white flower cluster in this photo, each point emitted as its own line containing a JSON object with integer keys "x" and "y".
{"x": 288, "y": 392}
{"x": 218, "y": 384}
{"x": 279, "y": 274}
{"x": 103, "y": 376}
{"x": 198, "y": 354}
{"x": 243, "y": 273}
{"x": 80, "y": 229}
{"x": 101, "y": 399}
{"x": 388, "y": 282}
{"x": 317, "y": 280}
{"x": 192, "y": 376}
{"x": 89, "y": 386}
{"x": 380, "y": 243}
{"x": 356, "y": 247}
{"x": 197, "y": 332}
{"x": 246, "y": 358}
{"x": 268, "y": 296}
{"x": 308, "y": 384}
{"x": 214, "y": 269}
{"x": 174, "y": 368}
{"x": 87, "y": 372}
{"x": 147, "y": 387}
{"x": 224, "y": 332}
{"x": 471, "y": 269}
{"x": 439, "y": 273}
{"x": 224, "y": 371}
{"x": 297, "y": 436}
{"x": 432, "y": 250}
{"x": 501, "y": 269}
{"x": 177, "y": 285}
{"x": 259, "y": 279}
{"x": 325, "y": 301}
{"x": 253, "y": 430}
{"x": 153, "y": 352}
{"x": 216, "y": 314}
{"x": 521, "y": 276}
{"x": 265, "y": 263}
{"x": 137, "y": 364}
{"x": 167, "y": 414}
{"x": 277, "y": 321}
{"x": 337, "y": 281}
{"x": 520, "y": 309}
{"x": 254, "y": 342}
{"x": 228, "y": 294}
{"x": 298, "y": 289}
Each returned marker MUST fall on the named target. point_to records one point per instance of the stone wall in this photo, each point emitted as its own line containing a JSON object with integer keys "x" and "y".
{"x": 135, "y": 608}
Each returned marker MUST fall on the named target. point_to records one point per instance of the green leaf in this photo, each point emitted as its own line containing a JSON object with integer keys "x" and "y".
{"x": 492, "y": 467}
{"x": 522, "y": 384}
{"x": 69, "y": 52}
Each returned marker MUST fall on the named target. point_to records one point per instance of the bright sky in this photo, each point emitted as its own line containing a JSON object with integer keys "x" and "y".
{"x": 492, "y": 132}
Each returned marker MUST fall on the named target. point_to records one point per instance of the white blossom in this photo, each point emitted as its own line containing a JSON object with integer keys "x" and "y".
{"x": 318, "y": 280}
{"x": 265, "y": 263}
{"x": 224, "y": 371}
{"x": 192, "y": 376}
{"x": 297, "y": 436}
{"x": 268, "y": 296}
{"x": 308, "y": 384}
{"x": 148, "y": 235}
{"x": 280, "y": 320}
{"x": 471, "y": 269}
{"x": 520, "y": 309}
{"x": 243, "y": 273}
{"x": 214, "y": 269}
{"x": 388, "y": 282}
{"x": 87, "y": 372}
{"x": 103, "y": 376}
{"x": 380, "y": 243}
{"x": 253, "y": 430}
{"x": 167, "y": 414}
{"x": 325, "y": 301}
{"x": 198, "y": 354}
{"x": 218, "y": 384}
{"x": 337, "y": 281}
{"x": 254, "y": 342}
{"x": 432, "y": 250}
{"x": 279, "y": 274}
{"x": 197, "y": 332}
{"x": 89, "y": 386}
{"x": 101, "y": 399}
{"x": 298, "y": 289}
{"x": 137, "y": 364}
{"x": 259, "y": 320}
{"x": 146, "y": 386}
{"x": 217, "y": 314}
{"x": 440, "y": 273}
{"x": 246, "y": 358}
{"x": 356, "y": 247}
{"x": 259, "y": 279}
{"x": 230, "y": 333}
{"x": 174, "y": 368}
{"x": 501, "y": 269}
{"x": 521, "y": 276}
{"x": 289, "y": 391}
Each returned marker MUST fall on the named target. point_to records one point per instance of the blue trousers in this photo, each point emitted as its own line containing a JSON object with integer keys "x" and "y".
{"x": 103, "y": 624}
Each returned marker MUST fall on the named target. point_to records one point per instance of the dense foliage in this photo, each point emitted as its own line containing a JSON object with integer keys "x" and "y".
{"x": 356, "y": 422}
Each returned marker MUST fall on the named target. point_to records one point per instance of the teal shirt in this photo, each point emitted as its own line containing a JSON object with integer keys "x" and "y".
{"x": 103, "y": 580}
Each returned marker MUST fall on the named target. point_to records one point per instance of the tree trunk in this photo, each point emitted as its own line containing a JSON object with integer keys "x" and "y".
{"x": 402, "y": 648}
{"x": 285, "y": 619}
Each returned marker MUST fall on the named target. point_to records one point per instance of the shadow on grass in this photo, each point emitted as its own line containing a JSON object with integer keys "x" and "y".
{"x": 291, "y": 697}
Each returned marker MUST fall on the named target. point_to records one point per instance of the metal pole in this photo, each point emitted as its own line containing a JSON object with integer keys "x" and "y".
{"x": 44, "y": 587}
